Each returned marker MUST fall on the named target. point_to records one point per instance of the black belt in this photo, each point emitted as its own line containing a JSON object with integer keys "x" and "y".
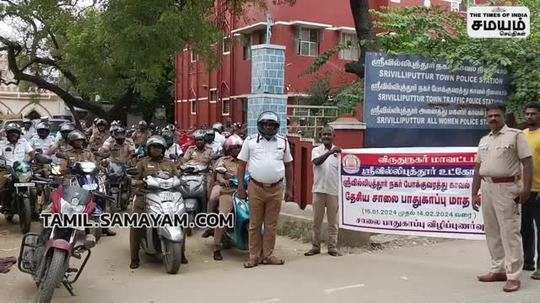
{"x": 502, "y": 179}
{"x": 266, "y": 185}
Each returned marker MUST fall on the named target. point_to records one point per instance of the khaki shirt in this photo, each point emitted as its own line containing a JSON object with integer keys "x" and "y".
{"x": 231, "y": 166}
{"x": 194, "y": 155}
{"x": 97, "y": 139}
{"x": 148, "y": 166}
{"x": 79, "y": 155}
{"x": 118, "y": 153}
{"x": 140, "y": 138}
{"x": 499, "y": 154}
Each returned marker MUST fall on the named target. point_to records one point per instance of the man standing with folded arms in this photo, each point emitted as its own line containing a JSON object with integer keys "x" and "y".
{"x": 503, "y": 171}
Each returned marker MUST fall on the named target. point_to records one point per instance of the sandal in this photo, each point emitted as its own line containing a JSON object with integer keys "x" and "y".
{"x": 250, "y": 264}
{"x": 273, "y": 261}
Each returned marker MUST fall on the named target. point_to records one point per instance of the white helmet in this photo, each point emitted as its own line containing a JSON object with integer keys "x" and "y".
{"x": 232, "y": 141}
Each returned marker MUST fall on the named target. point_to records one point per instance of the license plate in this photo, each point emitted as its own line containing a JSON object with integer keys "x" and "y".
{"x": 29, "y": 184}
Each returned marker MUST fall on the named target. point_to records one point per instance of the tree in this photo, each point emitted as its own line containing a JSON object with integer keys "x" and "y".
{"x": 118, "y": 50}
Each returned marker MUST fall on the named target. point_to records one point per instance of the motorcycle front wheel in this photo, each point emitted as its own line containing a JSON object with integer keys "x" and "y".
{"x": 53, "y": 276}
{"x": 172, "y": 256}
{"x": 25, "y": 215}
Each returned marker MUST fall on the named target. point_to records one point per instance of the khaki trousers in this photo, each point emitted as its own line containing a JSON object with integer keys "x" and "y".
{"x": 502, "y": 223}
{"x": 265, "y": 205}
{"x": 213, "y": 199}
{"x": 225, "y": 207}
{"x": 136, "y": 234}
{"x": 322, "y": 202}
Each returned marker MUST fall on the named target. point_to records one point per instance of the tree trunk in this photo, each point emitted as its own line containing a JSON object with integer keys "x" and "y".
{"x": 364, "y": 32}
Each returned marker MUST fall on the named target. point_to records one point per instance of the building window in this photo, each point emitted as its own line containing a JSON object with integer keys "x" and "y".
{"x": 193, "y": 56}
{"x": 353, "y": 52}
{"x": 193, "y": 105}
{"x": 225, "y": 107}
{"x": 308, "y": 42}
{"x": 246, "y": 46}
{"x": 226, "y": 45}
{"x": 213, "y": 95}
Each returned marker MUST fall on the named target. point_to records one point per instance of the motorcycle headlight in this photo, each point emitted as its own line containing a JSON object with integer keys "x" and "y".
{"x": 24, "y": 176}
{"x": 191, "y": 205}
{"x": 69, "y": 208}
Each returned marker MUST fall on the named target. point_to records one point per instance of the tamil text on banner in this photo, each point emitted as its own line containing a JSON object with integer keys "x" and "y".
{"x": 410, "y": 191}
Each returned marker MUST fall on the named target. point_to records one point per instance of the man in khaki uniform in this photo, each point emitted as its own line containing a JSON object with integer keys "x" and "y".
{"x": 200, "y": 153}
{"x": 141, "y": 134}
{"x": 148, "y": 166}
{"x": 270, "y": 163}
{"x": 505, "y": 185}
{"x": 99, "y": 136}
{"x": 118, "y": 148}
{"x": 229, "y": 164}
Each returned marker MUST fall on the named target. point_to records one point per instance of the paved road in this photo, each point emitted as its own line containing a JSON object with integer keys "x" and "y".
{"x": 444, "y": 272}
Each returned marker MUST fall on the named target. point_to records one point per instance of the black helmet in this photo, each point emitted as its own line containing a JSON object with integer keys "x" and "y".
{"x": 101, "y": 122}
{"x": 209, "y": 135}
{"x": 199, "y": 134}
{"x": 156, "y": 141}
{"x": 76, "y": 135}
{"x": 118, "y": 132}
{"x": 168, "y": 136}
{"x": 266, "y": 117}
{"x": 67, "y": 127}
{"x": 13, "y": 128}
{"x": 218, "y": 126}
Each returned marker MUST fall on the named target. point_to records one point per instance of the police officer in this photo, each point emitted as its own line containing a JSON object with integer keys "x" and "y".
{"x": 200, "y": 153}
{"x": 77, "y": 152}
{"x": 219, "y": 129}
{"x": 99, "y": 136}
{"x": 141, "y": 134}
{"x": 13, "y": 149}
{"x": 213, "y": 143}
{"x": 230, "y": 165}
{"x": 43, "y": 141}
{"x": 504, "y": 186}
{"x": 61, "y": 141}
{"x": 118, "y": 148}
{"x": 154, "y": 163}
{"x": 174, "y": 151}
{"x": 269, "y": 158}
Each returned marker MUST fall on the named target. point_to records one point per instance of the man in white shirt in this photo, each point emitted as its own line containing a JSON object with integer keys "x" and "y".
{"x": 13, "y": 149}
{"x": 269, "y": 159}
{"x": 325, "y": 192}
{"x": 42, "y": 141}
{"x": 218, "y": 128}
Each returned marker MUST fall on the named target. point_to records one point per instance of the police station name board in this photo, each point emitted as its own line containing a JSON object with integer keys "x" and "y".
{"x": 498, "y": 22}
{"x": 410, "y": 191}
{"x": 416, "y": 93}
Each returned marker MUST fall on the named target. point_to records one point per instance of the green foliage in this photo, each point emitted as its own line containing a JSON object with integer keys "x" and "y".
{"x": 441, "y": 34}
{"x": 349, "y": 96}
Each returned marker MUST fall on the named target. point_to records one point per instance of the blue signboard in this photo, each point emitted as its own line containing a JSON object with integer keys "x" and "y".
{"x": 413, "y": 101}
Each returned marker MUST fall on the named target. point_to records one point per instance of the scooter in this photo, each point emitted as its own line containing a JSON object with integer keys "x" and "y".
{"x": 238, "y": 235}
{"x": 117, "y": 186}
{"x": 194, "y": 190}
{"x": 46, "y": 256}
{"x": 163, "y": 197}
{"x": 24, "y": 195}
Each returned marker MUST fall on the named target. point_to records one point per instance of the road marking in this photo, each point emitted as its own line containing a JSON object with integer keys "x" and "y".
{"x": 331, "y": 290}
{"x": 266, "y": 301}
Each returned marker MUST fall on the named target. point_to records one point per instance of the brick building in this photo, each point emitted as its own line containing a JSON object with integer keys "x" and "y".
{"x": 306, "y": 29}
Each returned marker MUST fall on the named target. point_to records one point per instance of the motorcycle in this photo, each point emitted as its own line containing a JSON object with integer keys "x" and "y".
{"x": 238, "y": 235}
{"x": 117, "y": 186}
{"x": 163, "y": 197}
{"x": 194, "y": 190}
{"x": 24, "y": 195}
{"x": 47, "y": 256}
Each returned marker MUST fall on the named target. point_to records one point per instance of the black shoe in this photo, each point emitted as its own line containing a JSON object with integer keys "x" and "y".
{"x": 312, "y": 252}
{"x": 108, "y": 232}
{"x": 184, "y": 260}
{"x": 134, "y": 264}
{"x": 528, "y": 267}
{"x": 207, "y": 233}
{"x": 217, "y": 255}
{"x": 334, "y": 253}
